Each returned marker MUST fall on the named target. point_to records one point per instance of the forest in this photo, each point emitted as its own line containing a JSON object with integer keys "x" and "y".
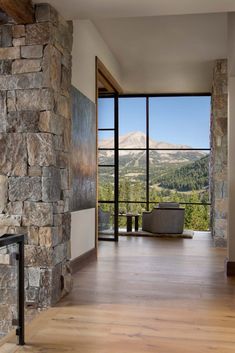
{"x": 187, "y": 183}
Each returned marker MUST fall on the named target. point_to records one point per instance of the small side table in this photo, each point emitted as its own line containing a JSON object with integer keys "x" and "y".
{"x": 129, "y": 217}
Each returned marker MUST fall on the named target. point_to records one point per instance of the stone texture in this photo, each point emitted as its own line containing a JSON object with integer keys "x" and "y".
{"x": 24, "y": 81}
{"x": 11, "y": 53}
{"x": 50, "y": 122}
{"x": 219, "y": 162}
{"x": 15, "y": 208}
{"x": 24, "y": 121}
{"x": 6, "y": 220}
{"x": 41, "y": 150}
{"x": 51, "y": 184}
{"x": 18, "y": 42}
{"x": 25, "y": 188}
{"x": 31, "y": 51}
{"x": 46, "y": 13}
{"x": 21, "y": 66}
{"x": 38, "y": 33}
{"x": 35, "y": 128}
{"x": 5, "y": 67}
{"x": 18, "y": 31}
{"x": 11, "y": 101}
{"x": 13, "y": 161}
{"x": 3, "y": 192}
{"x": 35, "y": 170}
{"x": 6, "y": 36}
{"x": 38, "y": 214}
{"x": 35, "y": 99}
{"x": 51, "y": 66}
{"x": 33, "y": 235}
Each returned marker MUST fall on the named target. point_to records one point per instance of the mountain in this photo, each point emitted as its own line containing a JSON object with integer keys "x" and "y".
{"x": 129, "y": 160}
{"x": 193, "y": 176}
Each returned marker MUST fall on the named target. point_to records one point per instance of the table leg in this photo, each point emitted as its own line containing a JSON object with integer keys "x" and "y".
{"x": 136, "y": 223}
{"x": 129, "y": 223}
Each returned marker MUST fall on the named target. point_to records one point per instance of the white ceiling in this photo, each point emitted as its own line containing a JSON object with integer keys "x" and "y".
{"x": 166, "y": 53}
{"x": 87, "y": 9}
{"x": 156, "y": 53}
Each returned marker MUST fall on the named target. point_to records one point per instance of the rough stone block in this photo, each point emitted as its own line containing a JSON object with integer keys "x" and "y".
{"x": 6, "y": 36}
{"x": 24, "y": 121}
{"x": 58, "y": 207}
{"x": 66, "y": 226}
{"x": 50, "y": 122}
{"x": 32, "y": 51}
{"x": 63, "y": 106}
{"x": 51, "y": 66}
{"x": 65, "y": 80}
{"x": 25, "y": 188}
{"x": 38, "y": 256}
{"x": 34, "y": 276}
{"x": 7, "y": 220}
{"x": 21, "y": 82}
{"x": 57, "y": 220}
{"x": 10, "y": 53}
{"x": 51, "y": 184}
{"x": 11, "y": 101}
{"x": 35, "y": 171}
{"x": 35, "y": 99}
{"x": 14, "y": 154}
{"x": 41, "y": 150}
{"x": 3, "y": 192}
{"x": 18, "y": 31}
{"x": 50, "y": 236}
{"x": 64, "y": 179}
{"x": 38, "y": 33}
{"x": 15, "y": 208}
{"x": 33, "y": 235}
{"x": 3, "y": 111}
{"x": 38, "y": 214}
{"x": 5, "y": 67}
{"x": 21, "y": 66}
{"x": 46, "y": 13}
{"x": 18, "y": 42}
{"x": 67, "y": 278}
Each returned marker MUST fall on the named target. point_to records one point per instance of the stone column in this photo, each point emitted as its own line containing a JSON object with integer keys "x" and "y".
{"x": 219, "y": 155}
{"x": 231, "y": 144}
{"x": 35, "y": 118}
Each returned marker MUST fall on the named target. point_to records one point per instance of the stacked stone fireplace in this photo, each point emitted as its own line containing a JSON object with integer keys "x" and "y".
{"x": 35, "y": 118}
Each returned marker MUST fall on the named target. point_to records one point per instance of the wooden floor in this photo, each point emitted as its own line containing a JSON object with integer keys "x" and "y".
{"x": 144, "y": 295}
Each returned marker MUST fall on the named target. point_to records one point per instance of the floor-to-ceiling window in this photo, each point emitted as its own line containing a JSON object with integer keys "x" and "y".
{"x": 163, "y": 155}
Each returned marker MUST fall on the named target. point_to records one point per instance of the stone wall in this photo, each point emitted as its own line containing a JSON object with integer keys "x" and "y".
{"x": 219, "y": 158}
{"x": 35, "y": 120}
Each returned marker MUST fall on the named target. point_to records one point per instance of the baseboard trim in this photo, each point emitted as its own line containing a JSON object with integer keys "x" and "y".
{"x": 83, "y": 260}
{"x": 230, "y": 268}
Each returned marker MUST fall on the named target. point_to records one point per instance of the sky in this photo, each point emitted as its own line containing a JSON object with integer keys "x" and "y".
{"x": 177, "y": 120}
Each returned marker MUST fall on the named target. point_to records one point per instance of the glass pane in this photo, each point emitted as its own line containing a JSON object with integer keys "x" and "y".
{"x": 106, "y": 183}
{"x": 106, "y": 219}
{"x": 105, "y": 113}
{"x": 132, "y": 175}
{"x": 176, "y": 122}
{"x": 8, "y": 289}
{"x": 132, "y": 122}
{"x": 134, "y": 208}
{"x": 197, "y": 217}
{"x": 181, "y": 176}
{"x": 105, "y": 139}
{"x": 106, "y": 157}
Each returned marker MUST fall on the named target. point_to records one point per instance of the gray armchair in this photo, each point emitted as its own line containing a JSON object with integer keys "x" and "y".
{"x": 167, "y": 218}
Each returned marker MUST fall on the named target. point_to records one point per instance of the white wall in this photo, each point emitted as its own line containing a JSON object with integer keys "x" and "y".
{"x": 86, "y": 46}
{"x": 83, "y": 232}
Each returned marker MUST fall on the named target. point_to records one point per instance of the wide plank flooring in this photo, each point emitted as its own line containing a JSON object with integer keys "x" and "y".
{"x": 144, "y": 295}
